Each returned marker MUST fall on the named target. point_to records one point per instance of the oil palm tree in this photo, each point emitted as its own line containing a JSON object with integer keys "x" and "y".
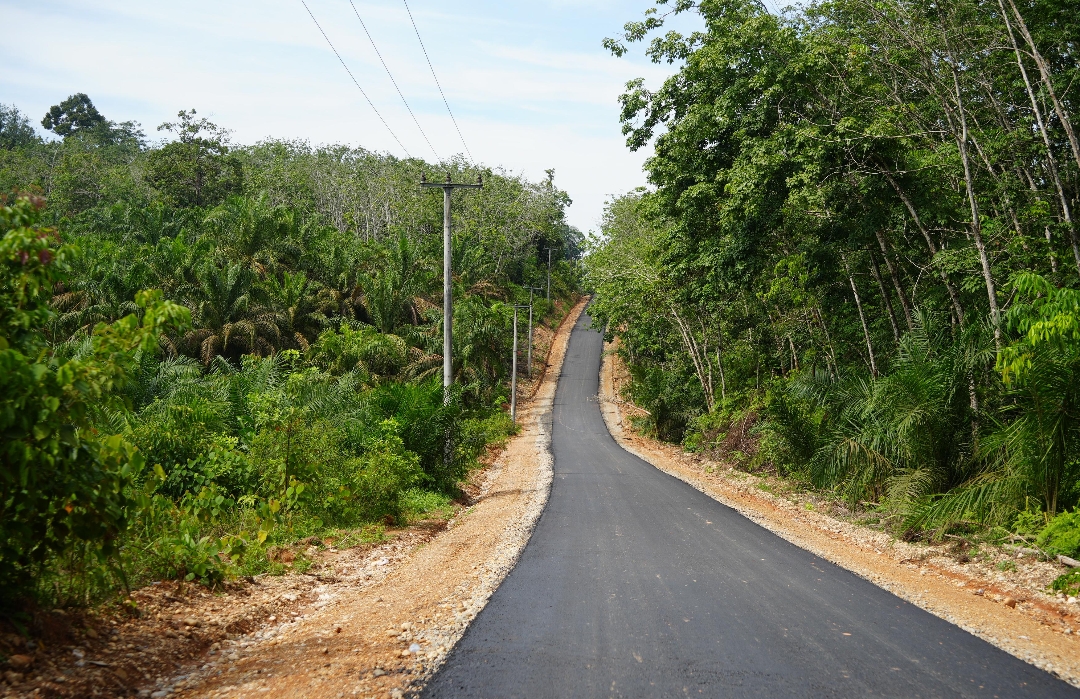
{"x": 226, "y": 323}
{"x": 390, "y": 294}
{"x": 296, "y": 308}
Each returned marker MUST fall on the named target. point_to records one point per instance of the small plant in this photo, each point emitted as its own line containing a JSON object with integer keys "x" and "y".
{"x": 1029, "y": 522}
{"x": 1006, "y": 566}
{"x": 1069, "y": 583}
{"x": 418, "y": 504}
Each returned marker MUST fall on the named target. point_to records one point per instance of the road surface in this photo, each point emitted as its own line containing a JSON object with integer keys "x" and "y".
{"x": 636, "y": 585}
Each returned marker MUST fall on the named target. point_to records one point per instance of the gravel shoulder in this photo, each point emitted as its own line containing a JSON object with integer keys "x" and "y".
{"x": 1009, "y": 609}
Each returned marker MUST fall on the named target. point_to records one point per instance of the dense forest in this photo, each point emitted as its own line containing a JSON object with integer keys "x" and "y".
{"x": 857, "y": 263}
{"x": 209, "y": 351}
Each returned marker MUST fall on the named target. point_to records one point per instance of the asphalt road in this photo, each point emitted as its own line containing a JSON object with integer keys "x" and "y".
{"x": 636, "y": 585}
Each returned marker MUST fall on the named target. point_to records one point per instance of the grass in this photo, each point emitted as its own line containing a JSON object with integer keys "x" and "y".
{"x": 418, "y": 504}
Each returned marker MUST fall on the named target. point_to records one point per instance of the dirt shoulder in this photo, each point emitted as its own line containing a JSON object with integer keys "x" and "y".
{"x": 1008, "y": 608}
{"x": 370, "y": 620}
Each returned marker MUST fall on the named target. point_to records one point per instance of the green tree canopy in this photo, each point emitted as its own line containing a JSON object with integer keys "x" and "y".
{"x": 75, "y": 114}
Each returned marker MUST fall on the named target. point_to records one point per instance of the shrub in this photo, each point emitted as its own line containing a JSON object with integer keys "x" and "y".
{"x": 1062, "y": 535}
{"x": 61, "y": 480}
{"x": 1069, "y": 583}
{"x": 383, "y": 474}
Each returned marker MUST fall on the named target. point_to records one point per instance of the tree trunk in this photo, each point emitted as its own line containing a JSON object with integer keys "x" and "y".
{"x": 720, "y": 364}
{"x": 699, "y": 356}
{"x": 954, "y": 296}
{"x": 976, "y": 224}
{"x": 1044, "y": 72}
{"x": 885, "y": 297}
{"x": 862, "y": 318}
{"x": 1051, "y": 162}
{"x": 895, "y": 279}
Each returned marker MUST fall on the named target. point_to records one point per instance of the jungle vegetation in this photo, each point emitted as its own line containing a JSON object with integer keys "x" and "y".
{"x": 209, "y": 351}
{"x": 857, "y": 263}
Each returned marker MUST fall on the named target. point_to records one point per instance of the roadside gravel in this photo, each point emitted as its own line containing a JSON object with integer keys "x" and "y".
{"x": 1009, "y": 608}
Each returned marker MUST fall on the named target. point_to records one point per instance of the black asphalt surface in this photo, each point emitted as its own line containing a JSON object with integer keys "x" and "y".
{"x": 636, "y": 585}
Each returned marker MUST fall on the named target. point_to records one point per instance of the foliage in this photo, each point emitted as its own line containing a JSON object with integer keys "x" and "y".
{"x": 196, "y": 169}
{"x": 62, "y": 479}
{"x": 1069, "y": 583}
{"x": 76, "y": 113}
{"x": 1062, "y": 535}
{"x": 282, "y": 379}
{"x": 861, "y": 223}
{"x": 15, "y": 129}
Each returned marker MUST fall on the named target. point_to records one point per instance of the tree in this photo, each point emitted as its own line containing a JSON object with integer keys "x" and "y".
{"x": 61, "y": 479}
{"x": 15, "y": 128}
{"x": 860, "y": 204}
{"x": 196, "y": 169}
{"x": 74, "y": 115}
{"x": 226, "y": 322}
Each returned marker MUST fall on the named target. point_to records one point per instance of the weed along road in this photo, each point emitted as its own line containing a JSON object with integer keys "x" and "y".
{"x": 636, "y": 585}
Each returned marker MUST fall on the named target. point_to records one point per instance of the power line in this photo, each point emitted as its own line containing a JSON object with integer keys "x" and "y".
{"x": 403, "y": 101}
{"x": 437, "y": 79}
{"x": 354, "y": 80}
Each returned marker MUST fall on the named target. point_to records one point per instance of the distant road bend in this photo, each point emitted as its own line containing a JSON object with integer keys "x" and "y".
{"x": 636, "y": 585}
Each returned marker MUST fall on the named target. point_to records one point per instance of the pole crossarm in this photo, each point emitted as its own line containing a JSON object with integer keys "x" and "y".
{"x": 450, "y": 184}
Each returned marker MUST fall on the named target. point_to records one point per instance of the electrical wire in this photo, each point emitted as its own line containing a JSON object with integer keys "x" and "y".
{"x": 391, "y": 76}
{"x": 354, "y": 80}
{"x": 424, "y": 48}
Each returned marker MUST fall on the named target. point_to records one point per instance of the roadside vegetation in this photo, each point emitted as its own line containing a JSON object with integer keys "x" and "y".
{"x": 857, "y": 264}
{"x": 209, "y": 351}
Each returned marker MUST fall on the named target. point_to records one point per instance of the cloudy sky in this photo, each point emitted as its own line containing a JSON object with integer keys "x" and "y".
{"x": 528, "y": 81}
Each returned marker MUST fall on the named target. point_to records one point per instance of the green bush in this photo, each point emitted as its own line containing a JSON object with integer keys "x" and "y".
{"x": 1069, "y": 583}
{"x": 476, "y": 433}
{"x": 417, "y": 503}
{"x": 382, "y": 475}
{"x": 364, "y": 349}
{"x": 1062, "y": 535}
{"x": 61, "y": 480}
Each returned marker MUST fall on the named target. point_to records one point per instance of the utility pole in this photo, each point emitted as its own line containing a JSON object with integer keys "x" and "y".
{"x": 513, "y": 371}
{"x": 549, "y": 277}
{"x": 448, "y": 310}
{"x": 531, "y": 290}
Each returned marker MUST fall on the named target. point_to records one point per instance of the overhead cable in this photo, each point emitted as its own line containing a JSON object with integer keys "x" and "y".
{"x": 424, "y": 48}
{"x": 354, "y": 80}
{"x": 391, "y": 76}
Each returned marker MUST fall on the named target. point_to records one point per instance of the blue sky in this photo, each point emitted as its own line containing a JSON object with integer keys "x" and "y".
{"x": 529, "y": 82}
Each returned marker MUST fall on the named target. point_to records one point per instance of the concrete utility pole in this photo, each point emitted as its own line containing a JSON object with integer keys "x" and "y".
{"x": 513, "y": 371}
{"x": 549, "y": 277}
{"x": 448, "y": 309}
{"x": 531, "y": 290}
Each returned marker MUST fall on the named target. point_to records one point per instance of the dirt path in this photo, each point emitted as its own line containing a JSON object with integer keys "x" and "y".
{"x": 1007, "y": 609}
{"x": 385, "y": 637}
